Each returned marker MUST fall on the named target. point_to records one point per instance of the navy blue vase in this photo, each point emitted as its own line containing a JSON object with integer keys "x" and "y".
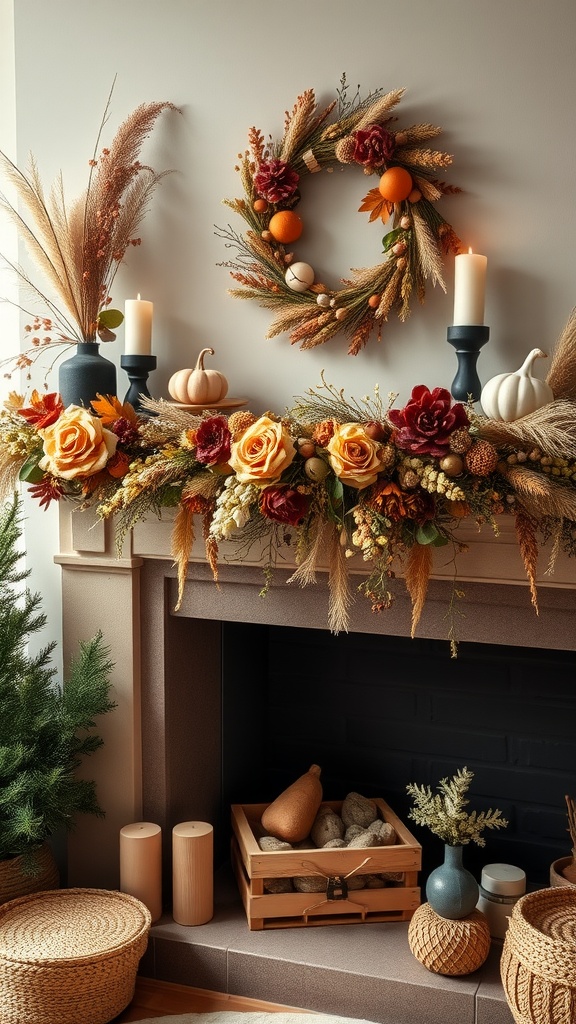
{"x": 85, "y": 375}
{"x": 451, "y": 890}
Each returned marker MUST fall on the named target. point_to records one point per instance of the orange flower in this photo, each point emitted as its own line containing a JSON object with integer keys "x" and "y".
{"x": 76, "y": 445}
{"x": 118, "y": 465}
{"x": 263, "y": 452}
{"x": 354, "y": 456}
{"x": 378, "y": 206}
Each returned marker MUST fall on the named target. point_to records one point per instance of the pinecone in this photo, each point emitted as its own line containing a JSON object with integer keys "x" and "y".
{"x": 481, "y": 458}
{"x": 460, "y": 441}
{"x": 387, "y": 455}
{"x": 239, "y": 421}
{"x": 323, "y": 432}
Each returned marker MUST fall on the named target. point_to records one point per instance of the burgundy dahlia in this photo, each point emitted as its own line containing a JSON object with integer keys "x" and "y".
{"x": 213, "y": 440}
{"x": 424, "y": 425}
{"x": 275, "y": 181}
{"x": 284, "y": 505}
{"x": 374, "y": 146}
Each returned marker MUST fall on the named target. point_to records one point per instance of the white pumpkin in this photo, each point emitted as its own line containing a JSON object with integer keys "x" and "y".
{"x": 508, "y": 396}
{"x": 198, "y": 386}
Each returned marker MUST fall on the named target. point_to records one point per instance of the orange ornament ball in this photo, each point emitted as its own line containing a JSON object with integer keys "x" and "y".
{"x": 395, "y": 184}
{"x": 374, "y": 301}
{"x": 260, "y": 205}
{"x": 285, "y": 226}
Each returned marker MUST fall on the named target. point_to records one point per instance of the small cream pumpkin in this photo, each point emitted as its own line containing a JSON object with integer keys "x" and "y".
{"x": 508, "y": 396}
{"x": 198, "y": 386}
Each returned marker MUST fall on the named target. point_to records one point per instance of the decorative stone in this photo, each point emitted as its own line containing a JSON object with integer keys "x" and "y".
{"x": 449, "y": 947}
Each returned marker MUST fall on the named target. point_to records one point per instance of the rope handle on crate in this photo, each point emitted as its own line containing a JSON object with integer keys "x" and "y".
{"x": 336, "y": 887}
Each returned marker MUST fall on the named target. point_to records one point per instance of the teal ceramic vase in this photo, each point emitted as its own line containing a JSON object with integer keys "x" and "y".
{"x": 86, "y": 374}
{"x": 451, "y": 890}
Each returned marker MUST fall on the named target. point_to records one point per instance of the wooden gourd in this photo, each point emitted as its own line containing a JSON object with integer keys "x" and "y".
{"x": 291, "y": 815}
{"x": 198, "y": 386}
{"x": 508, "y": 396}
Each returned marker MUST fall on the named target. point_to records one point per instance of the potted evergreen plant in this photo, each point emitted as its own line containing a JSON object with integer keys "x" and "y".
{"x": 45, "y": 729}
{"x": 451, "y": 890}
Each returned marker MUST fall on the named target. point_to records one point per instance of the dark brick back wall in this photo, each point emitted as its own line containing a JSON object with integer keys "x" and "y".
{"x": 379, "y": 712}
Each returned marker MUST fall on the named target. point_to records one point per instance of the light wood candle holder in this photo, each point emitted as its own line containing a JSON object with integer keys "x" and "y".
{"x": 192, "y": 872}
{"x": 141, "y": 864}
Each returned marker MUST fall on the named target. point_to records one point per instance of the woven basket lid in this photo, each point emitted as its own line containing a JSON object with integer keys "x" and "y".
{"x": 70, "y": 924}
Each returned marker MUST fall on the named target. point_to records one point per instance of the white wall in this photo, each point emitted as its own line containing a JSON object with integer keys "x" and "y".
{"x": 500, "y": 79}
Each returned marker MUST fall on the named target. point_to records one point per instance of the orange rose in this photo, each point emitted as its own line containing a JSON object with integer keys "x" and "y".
{"x": 354, "y": 456}
{"x": 76, "y": 444}
{"x": 262, "y": 453}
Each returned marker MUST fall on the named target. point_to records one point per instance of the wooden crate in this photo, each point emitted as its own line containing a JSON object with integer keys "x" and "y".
{"x": 396, "y": 902}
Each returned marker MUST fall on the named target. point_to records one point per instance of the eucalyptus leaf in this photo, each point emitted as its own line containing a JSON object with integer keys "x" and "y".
{"x": 110, "y": 318}
{"x": 427, "y": 534}
{"x": 30, "y": 472}
{"x": 391, "y": 238}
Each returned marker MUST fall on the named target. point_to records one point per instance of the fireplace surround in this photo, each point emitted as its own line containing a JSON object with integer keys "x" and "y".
{"x": 374, "y": 708}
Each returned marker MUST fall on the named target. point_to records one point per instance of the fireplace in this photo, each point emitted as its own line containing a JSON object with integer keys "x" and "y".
{"x": 231, "y": 697}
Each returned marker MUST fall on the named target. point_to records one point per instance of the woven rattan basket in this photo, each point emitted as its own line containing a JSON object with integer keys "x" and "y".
{"x": 16, "y": 880}
{"x": 70, "y": 956}
{"x": 449, "y": 947}
{"x": 538, "y": 964}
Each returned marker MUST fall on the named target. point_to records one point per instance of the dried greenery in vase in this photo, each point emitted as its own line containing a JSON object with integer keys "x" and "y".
{"x": 443, "y": 812}
{"x": 79, "y": 246}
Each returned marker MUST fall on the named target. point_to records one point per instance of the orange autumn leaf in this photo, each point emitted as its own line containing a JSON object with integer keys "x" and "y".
{"x": 109, "y": 409}
{"x": 118, "y": 465}
{"x": 378, "y": 206}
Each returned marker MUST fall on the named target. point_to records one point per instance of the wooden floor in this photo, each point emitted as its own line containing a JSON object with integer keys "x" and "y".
{"x": 160, "y": 998}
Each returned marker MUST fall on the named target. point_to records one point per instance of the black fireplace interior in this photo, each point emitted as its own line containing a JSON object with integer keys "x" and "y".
{"x": 377, "y": 712}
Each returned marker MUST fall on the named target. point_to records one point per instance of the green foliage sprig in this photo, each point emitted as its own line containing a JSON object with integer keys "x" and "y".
{"x": 443, "y": 812}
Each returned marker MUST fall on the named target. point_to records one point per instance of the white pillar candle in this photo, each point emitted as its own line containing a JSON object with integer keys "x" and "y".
{"x": 192, "y": 872}
{"x": 138, "y": 327}
{"x": 469, "y": 289}
{"x": 141, "y": 864}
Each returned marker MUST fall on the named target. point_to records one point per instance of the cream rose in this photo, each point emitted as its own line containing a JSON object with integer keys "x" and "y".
{"x": 76, "y": 444}
{"x": 263, "y": 452}
{"x": 354, "y": 456}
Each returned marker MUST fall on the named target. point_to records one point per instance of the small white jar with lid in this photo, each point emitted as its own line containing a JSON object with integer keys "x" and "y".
{"x": 501, "y": 886}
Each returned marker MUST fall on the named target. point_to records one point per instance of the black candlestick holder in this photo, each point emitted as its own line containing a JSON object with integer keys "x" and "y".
{"x": 467, "y": 340}
{"x": 138, "y": 368}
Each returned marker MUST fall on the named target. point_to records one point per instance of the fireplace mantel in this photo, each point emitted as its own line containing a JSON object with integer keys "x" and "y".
{"x": 102, "y": 589}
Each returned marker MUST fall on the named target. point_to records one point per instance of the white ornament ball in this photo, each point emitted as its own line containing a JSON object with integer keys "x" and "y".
{"x": 299, "y": 277}
{"x": 323, "y": 299}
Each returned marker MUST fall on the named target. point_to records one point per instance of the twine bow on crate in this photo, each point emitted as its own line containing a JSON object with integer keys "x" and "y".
{"x": 336, "y": 888}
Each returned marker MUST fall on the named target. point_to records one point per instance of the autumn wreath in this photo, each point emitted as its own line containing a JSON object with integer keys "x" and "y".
{"x": 364, "y": 134}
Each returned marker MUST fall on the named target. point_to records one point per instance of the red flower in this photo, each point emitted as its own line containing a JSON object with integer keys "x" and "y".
{"x": 213, "y": 440}
{"x": 284, "y": 505}
{"x": 43, "y": 410}
{"x": 373, "y": 146}
{"x": 276, "y": 181}
{"x": 426, "y": 422}
{"x": 49, "y": 489}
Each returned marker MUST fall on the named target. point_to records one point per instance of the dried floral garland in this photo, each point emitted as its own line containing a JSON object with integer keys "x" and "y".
{"x": 364, "y": 134}
{"x": 334, "y": 477}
